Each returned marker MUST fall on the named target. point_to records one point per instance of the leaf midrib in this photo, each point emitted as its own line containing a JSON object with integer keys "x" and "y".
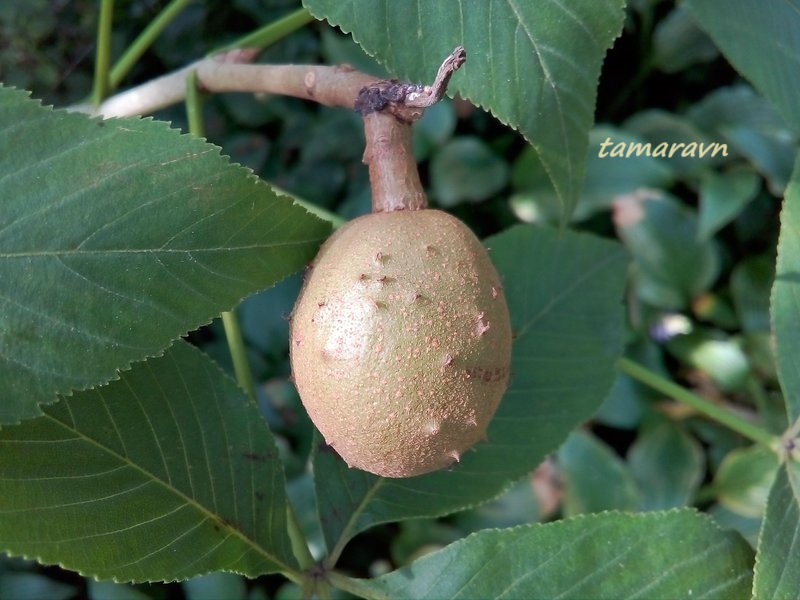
{"x": 206, "y": 250}
{"x": 564, "y": 293}
{"x": 345, "y": 536}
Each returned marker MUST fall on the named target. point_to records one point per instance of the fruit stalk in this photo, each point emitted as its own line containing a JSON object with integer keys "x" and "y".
{"x": 389, "y": 108}
{"x": 393, "y": 176}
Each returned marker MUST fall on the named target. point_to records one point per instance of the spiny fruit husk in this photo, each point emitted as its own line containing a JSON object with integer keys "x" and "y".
{"x": 401, "y": 342}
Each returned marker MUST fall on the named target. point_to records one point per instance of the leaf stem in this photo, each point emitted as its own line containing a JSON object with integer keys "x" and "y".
{"x": 194, "y": 105}
{"x": 299, "y": 545}
{"x": 323, "y": 590}
{"x": 169, "y": 89}
{"x": 271, "y": 33}
{"x": 700, "y": 404}
{"x": 332, "y": 86}
{"x": 144, "y": 40}
{"x": 241, "y": 366}
{"x": 102, "y": 61}
{"x": 353, "y": 586}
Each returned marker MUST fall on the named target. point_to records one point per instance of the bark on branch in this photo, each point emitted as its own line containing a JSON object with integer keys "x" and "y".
{"x": 388, "y": 108}
{"x": 329, "y": 85}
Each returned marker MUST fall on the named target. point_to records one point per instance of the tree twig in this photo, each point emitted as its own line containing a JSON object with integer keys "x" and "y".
{"x": 166, "y": 90}
{"x": 388, "y": 108}
{"x": 330, "y": 85}
{"x": 405, "y": 100}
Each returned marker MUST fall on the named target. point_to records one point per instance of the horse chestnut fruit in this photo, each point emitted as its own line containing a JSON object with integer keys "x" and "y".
{"x": 401, "y": 341}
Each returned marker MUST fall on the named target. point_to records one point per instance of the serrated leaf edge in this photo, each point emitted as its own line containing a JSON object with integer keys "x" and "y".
{"x": 249, "y": 175}
{"x": 250, "y": 402}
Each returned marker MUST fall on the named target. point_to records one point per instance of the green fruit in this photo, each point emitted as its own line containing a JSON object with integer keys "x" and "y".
{"x": 401, "y": 342}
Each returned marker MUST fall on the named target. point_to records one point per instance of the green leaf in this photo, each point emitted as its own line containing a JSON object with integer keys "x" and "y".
{"x": 751, "y": 281}
{"x": 624, "y": 406}
{"x": 630, "y": 400}
{"x": 300, "y": 491}
{"x": 678, "y": 43}
{"x": 677, "y": 554}
{"x": 434, "y": 128}
{"x": 564, "y": 291}
{"x": 752, "y": 128}
{"x": 744, "y": 478}
{"x": 760, "y": 40}
{"x": 722, "y": 197}
{"x": 466, "y": 170}
{"x": 672, "y": 265}
{"x": 338, "y": 49}
{"x": 535, "y": 65}
{"x": 717, "y": 355}
{"x": 718, "y": 440}
{"x": 668, "y": 465}
{"x": 777, "y": 572}
{"x": 263, "y": 317}
{"x": 759, "y": 346}
{"x": 168, "y": 473}
{"x": 747, "y": 527}
{"x": 117, "y": 237}
{"x": 737, "y": 106}
{"x": 786, "y": 298}
{"x": 420, "y": 536}
{"x": 770, "y": 155}
{"x": 595, "y": 479}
